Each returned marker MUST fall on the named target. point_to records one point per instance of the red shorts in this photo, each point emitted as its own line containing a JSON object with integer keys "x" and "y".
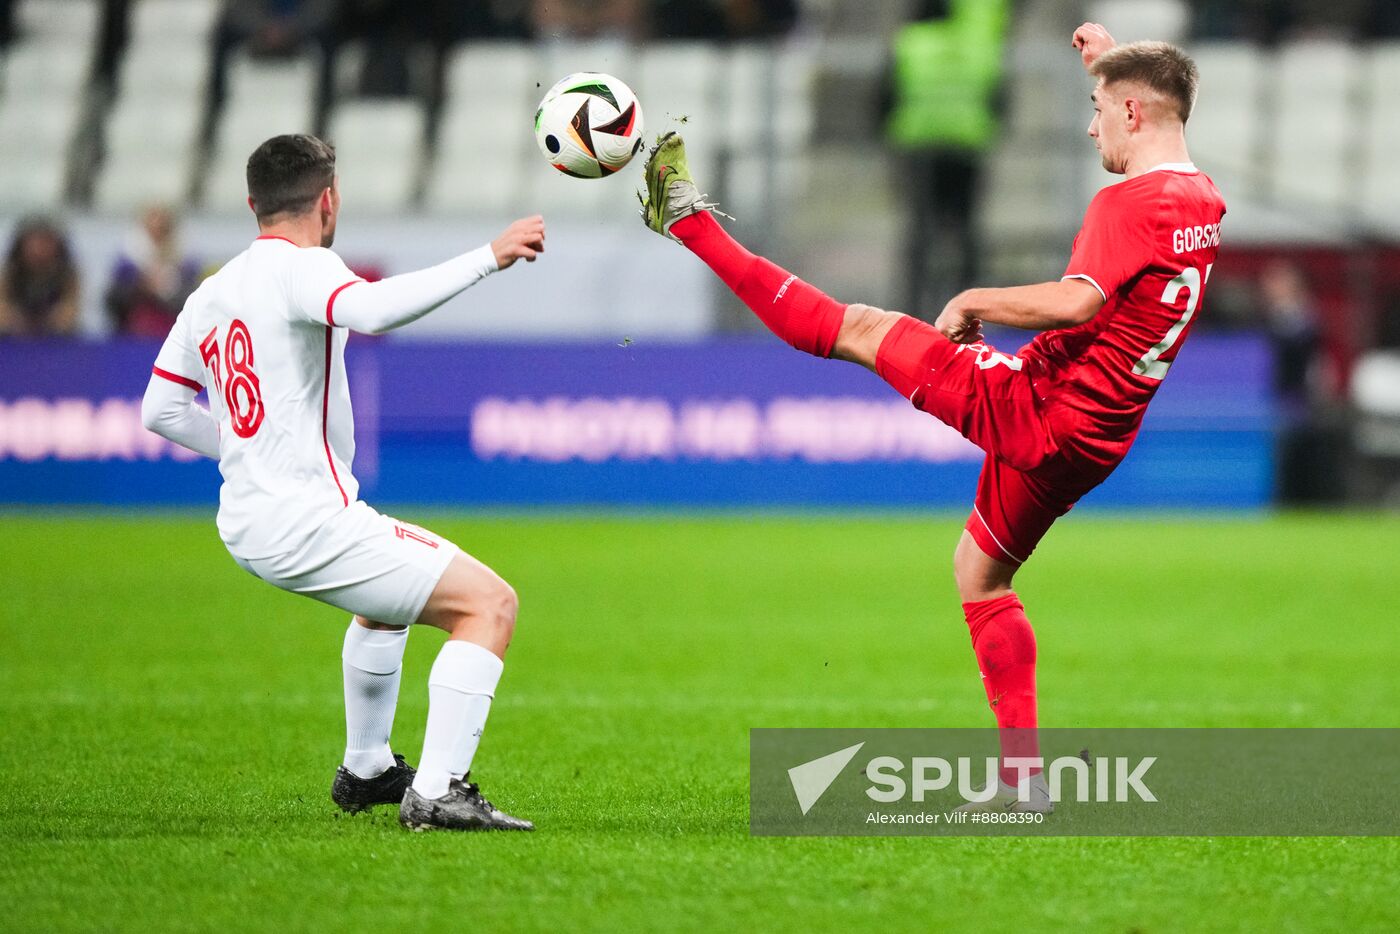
{"x": 1027, "y": 482}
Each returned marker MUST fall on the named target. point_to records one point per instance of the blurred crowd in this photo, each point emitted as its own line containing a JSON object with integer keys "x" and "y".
{"x": 40, "y": 283}
{"x": 1271, "y": 21}
{"x": 280, "y": 26}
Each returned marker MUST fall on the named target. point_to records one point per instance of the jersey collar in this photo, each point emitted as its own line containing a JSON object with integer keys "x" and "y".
{"x": 1188, "y": 168}
{"x": 274, "y": 237}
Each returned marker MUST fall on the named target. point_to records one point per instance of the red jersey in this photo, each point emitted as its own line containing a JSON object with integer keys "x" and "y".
{"x": 1148, "y": 245}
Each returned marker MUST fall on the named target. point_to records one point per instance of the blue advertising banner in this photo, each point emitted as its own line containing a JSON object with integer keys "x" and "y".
{"x": 718, "y": 423}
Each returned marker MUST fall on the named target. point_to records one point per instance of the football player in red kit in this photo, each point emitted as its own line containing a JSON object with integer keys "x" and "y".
{"x": 1054, "y": 418}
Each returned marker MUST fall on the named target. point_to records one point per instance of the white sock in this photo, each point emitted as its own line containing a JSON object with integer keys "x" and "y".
{"x": 460, "y": 688}
{"x": 372, "y": 662}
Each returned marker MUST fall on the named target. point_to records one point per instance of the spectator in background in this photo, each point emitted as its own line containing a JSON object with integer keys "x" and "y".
{"x": 274, "y": 28}
{"x": 588, "y": 19}
{"x": 481, "y": 19}
{"x": 266, "y": 29}
{"x": 393, "y": 35}
{"x": 39, "y": 283}
{"x": 941, "y": 101}
{"x": 7, "y": 22}
{"x": 1271, "y": 21}
{"x": 723, "y": 19}
{"x": 152, "y": 278}
{"x": 1309, "y": 448}
{"x": 1290, "y": 317}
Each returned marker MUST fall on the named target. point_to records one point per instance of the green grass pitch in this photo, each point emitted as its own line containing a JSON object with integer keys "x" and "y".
{"x": 171, "y": 725}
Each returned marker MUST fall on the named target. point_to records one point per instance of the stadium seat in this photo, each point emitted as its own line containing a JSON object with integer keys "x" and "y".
{"x": 172, "y": 19}
{"x": 1224, "y": 126}
{"x": 749, "y": 99}
{"x": 43, "y": 78}
{"x": 769, "y": 104}
{"x": 151, "y": 135}
{"x": 280, "y": 82}
{"x": 150, "y": 144}
{"x": 796, "y": 73}
{"x": 680, "y": 81}
{"x": 1380, "y": 168}
{"x": 47, "y": 68}
{"x": 379, "y": 147}
{"x": 1132, "y": 20}
{"x": 263, "y": 99}
{"x": 34, "y": 135}
{"x": 226, "y": 186}
{"x": 484, "y": 140}
{"x": 72, "y": 22}
{"x": 1312, "y": 142}
{"x": 509, "y": 70}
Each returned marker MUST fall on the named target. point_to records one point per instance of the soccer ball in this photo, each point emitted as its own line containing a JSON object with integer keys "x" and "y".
{"x": 589, "y": 125}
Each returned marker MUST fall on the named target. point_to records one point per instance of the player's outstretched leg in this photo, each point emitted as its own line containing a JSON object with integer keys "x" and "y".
{"x": 477, "y": 610}
{"x": 372, "y": 662}
{"x": 793, "y": 310}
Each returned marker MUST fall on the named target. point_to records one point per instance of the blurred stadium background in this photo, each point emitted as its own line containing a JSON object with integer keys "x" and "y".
{"x": 892, "y": 153}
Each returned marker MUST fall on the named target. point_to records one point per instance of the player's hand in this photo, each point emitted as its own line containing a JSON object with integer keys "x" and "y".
{"x": 958, "y": 325}
{"x": 522, "y": 240}
{"x": 1092, "y": 40}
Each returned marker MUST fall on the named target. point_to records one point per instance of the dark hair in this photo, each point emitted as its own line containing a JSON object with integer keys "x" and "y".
{"x": 37, "y": 290}
{"x": 1157, "y": 65}
{"x": 287, "y": 174}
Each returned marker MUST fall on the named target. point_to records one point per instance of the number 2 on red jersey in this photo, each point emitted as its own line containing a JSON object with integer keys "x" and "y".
{"x": 1151, "y": 364}
{"x": 241, "y": 391}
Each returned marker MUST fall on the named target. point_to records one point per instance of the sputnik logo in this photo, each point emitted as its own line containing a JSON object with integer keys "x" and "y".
{"x": 810, "y": 780}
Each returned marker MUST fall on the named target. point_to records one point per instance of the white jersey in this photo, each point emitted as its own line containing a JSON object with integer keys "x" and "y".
{"x": 266, "y": 335}
{"x": 260, "y": 335}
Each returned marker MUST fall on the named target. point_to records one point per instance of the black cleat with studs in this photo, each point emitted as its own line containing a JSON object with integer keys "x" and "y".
{"x": 355, "y": 794}
{"x": 462, "y": 808}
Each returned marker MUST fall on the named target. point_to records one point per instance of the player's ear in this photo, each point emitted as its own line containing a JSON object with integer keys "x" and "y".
{"x": 1133, "y": 112}
{"x": 252, "y": 207}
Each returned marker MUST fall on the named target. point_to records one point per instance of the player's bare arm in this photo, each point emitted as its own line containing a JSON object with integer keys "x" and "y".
{"x": 1042, "y": 307}
{"x": 1091, "y": 40}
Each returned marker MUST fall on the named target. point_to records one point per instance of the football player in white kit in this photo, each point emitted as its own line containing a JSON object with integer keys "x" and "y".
{"x": 266, "y": 336}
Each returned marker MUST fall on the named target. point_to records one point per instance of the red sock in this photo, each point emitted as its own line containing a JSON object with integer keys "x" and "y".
{"x": 1004, "y": 643}
{"x": 795, "y": 311}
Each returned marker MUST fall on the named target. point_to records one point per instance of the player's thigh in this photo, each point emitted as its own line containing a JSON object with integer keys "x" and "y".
{"x": 980, "y": 576}
{"x": 863, "y": 330}
{"x": 984, "y": 394}
{"x": 469, "y": 589}
{"x": 1010, "y": 515}
{"x": 365, "y": 563}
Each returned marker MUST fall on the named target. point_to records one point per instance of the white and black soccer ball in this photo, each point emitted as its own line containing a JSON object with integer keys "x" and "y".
{"x": 589, "y": 125}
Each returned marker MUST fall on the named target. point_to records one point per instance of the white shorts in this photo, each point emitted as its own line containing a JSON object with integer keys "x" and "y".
{"x": 365, "y": 563}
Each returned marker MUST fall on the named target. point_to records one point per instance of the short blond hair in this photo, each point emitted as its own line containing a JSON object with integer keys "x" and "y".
{"x": 1159, "y": 66}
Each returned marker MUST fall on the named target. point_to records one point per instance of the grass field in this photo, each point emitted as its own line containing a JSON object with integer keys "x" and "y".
{"x": 171, "y": 725}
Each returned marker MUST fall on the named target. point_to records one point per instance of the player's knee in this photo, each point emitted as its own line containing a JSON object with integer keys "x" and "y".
{"x": 978, "y": 576}
{"x": 506, "y": 605}
{"x": 862, "y": 330}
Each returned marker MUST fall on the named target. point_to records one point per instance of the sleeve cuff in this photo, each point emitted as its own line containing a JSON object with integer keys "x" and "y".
{"x": 1088, "y": 279}
{"x": 483, "y": 258}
